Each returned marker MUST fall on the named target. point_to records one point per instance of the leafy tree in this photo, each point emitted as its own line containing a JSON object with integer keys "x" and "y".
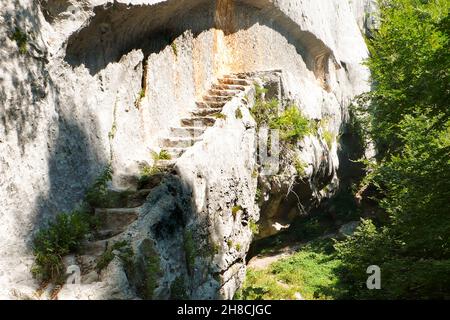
{"x": 408, "y": 113}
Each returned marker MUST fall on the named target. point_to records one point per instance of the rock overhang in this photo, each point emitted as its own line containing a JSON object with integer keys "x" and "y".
{"x": 118, "y": 27}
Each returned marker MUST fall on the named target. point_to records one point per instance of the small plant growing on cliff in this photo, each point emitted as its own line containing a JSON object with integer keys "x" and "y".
{"x": 292, "y": 124}
{"x": 258, "y": 195}
{"x": 260, "y": 91}
{"x": 235, "y": 210}
{"x": 142, "y": 94}
{"x": 329, "y": 138}
{"x": 21, "y": 39}
{"x": 265, "y": 112}
{"x": 238, "y": 113}
{"x": 300, "y": 167}
{"x": 215, "y": 249}
{"x": 253, "y": 227}
{"x": 238, "y": 247}
{"x": 113, "y": 131}
{"x": 97, "y": 194}
{"x": 220, "y": 115}
{"x": 125, "y": 254}
{"x": 189, "y": 250}
{"x": 162, "y": 155}
{"x": 59, "y": 238}
{"x": 174, "y": 48}
{"x": 146, "y": 173}
{"x": 153, "y": 272}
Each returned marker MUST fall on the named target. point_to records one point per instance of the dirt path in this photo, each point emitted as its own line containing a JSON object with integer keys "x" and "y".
{"x": 264, "y": 260}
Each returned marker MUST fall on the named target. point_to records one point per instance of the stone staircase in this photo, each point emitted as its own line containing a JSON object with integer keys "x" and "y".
{"x": 205, "y": 115}
{"x": 115, "y": 219}
{"x": 113, "y": 223}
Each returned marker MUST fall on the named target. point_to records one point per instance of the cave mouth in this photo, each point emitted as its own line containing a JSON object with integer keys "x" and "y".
{"x": 116, "y": 29}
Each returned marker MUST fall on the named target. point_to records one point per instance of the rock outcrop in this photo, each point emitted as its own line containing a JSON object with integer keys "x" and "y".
{"x": 86, "y": 83}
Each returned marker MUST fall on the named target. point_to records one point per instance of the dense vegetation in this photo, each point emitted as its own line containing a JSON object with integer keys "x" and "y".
{"x": 66, "y": 233}
{"x": 408, "y": 118}
{"x": 309, "y": 272}
{"x": 293, "y": 126}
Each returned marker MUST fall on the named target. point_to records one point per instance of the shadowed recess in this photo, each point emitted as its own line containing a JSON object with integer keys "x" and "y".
{"x": 117, "y": 28}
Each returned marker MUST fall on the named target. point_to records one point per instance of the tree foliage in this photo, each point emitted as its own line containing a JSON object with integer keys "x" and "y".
{"x": 408, "y": 113}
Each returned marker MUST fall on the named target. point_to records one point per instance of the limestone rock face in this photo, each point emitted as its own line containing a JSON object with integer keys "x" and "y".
{"x": 84, "y": 83}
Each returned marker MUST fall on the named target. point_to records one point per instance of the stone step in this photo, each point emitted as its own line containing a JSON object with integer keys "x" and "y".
{"x": 187, "y": 132}
{"x": 107, "y": 233}
{"x": 236, "y": 76}
{"x": 87, "y": 262}
{"x": 152, "y": 181}
{"x": 117, "y": 219}
{"x": 95, "y": 248}
{"x": 198, "y": 122}
{"x": 138, "y": 198}
{"x": 179, "y": 142}
{"x": 228, "y": 87}
{"x": 206, "y": 111}
{"x": 175, "y": 152}
{"x": 234, "y": 81}
{"x": 166, "y": 164}
{"x": 223, "y": 93}
{"x": 210, "y": 104}
{"x": 214, "y": 98}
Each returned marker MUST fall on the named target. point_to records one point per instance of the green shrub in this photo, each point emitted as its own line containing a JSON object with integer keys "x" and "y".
{"x": 253, "y": 225}
{"x": 58, "y": 239}
{"x": 292, "y": 124}
{"x": 407, "y": 116}
{"x": 97, "y": 194}
{"x": 162, "y": 155}
{"x": 264, "y": 112}
{"x": 146, "y": 173}
{"x": 300, "y": 167}
{"x": 153, "y": 273}
{"x": 178, "y": 289}
{"x": 189, "y": 250}
{"x": 329, "y": 138}
{"x": 125, "y": 254}
{"x": 312, "y": 272}
{"x": 258, "y": 195}
{"x": 21, "y": 39}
